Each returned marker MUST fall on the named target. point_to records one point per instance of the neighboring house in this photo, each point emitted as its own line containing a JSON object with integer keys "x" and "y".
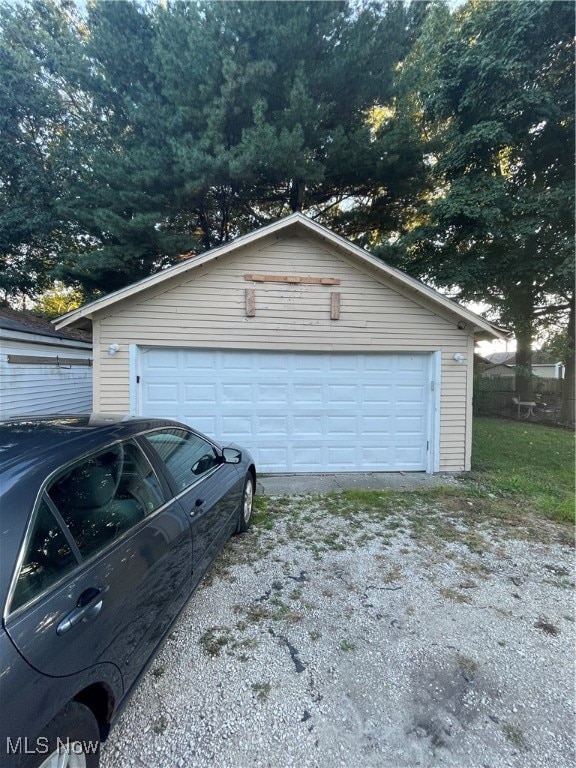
{"x": 299, "y": 345}
{"x": 502, "y": 364}
{"x": 42, "y": 371}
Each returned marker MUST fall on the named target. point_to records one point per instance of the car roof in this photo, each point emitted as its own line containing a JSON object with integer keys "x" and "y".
{"x": 32, "y": 449}
{"x": 23, "y": 440}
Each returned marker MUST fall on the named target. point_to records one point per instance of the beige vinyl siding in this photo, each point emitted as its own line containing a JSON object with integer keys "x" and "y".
{"x": 206, "y": 308}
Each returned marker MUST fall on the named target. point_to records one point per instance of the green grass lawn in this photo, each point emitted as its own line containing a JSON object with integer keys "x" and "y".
{"x": 525, "y": 463}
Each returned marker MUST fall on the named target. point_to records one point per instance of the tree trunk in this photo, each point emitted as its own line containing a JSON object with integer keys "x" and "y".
{"x": 523, "y": 368}
{"x": 297, "y": 189}
{"x": 522, "y": 305}
{"x": 567, "y": 410}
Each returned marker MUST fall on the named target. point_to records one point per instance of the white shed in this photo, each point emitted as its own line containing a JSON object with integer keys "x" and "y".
{"x": 42, "y": 371}
{"x": 299, "y": 345}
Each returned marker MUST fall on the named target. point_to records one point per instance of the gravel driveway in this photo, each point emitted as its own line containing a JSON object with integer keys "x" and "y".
{"x": 336, "y": 637}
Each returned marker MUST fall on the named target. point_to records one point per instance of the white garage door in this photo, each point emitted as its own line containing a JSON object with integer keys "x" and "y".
{"x": 297, "y": 412}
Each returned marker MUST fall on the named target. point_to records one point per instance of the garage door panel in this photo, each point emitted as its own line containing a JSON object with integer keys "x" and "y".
{"x": 376, "y": 426}
{"x": 377, "y": 393}
{"x": 202, "y": 362}
{"x": 409, "y": 425}
{"x": 342, "y": 393}
{"x": 163, "y": 360}
{"x": 342, "y": 426}
{"x": 380, "y": 363}
{"x": 307, "y": 394}
{"x": 237, "y": 362}
{"x": 274, "y": 364}
{"x": 409, "y": 394}
{"x": 272, "y": 394}
{"x": 298, "y": 412}
{"x": 310, "y": 426}
{"x": 272, "y": 426}
{"x": 343, "y": 364}
{"x": 372, "y": 455}
{"x": 200, "y": 393}
{"x": 307, "y": 364}
{"x": 275, "y": 458}
{"x": 236, "y": 427}
{"x": 237, "y": 394}
{"x": 304, "y": 456}
{"x": 162, "y": 393}
{"x": 411, "y": 363}
{"x": 408, "y": 456}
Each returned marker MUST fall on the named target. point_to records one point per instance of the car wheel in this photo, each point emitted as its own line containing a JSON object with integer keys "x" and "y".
{"x": 246, "y": 505}
{"x": 70, "y": 740}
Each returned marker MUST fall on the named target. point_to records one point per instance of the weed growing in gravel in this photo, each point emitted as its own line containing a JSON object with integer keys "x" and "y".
{"x": 284, "y": 612}
{"x": 214, "y": 639}
{"x": 159, "y": 725}
{"x": 468, "y": 584}
{"x": 347, "y": 645}
{"x": 333, "y": 540}
{"x": 467, "y": 665}
{"x": 561, "y": 583}
{"x": 261, "y": 690}
{"x": 262, "y": 519}
{"x": 314, "y": 634}
{"x": 276, "y": 611}
{"x": 394, "y": 574}
{"x": 158, "y": 672}
{"x": 547, "y": 626}
{"x": 454, "y": 595}
{"x": 480, "y": 570}
{"x": 253, "y": 613}
{"x": 363, "y": 539}
{"x": 514, "y": 735}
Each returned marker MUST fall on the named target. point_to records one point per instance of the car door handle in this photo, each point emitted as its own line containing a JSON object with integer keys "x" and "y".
{"x": 88, "y": 607}
{"x": 198, "y": 504}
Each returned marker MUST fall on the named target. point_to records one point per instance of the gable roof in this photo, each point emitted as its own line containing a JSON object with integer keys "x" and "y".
{"x": 295, "y": 222}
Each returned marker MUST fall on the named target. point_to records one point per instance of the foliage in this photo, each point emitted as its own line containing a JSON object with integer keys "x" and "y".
{"x": 36, "y": 122}
{"x": 211, "y": 119}
{"x": 57, "y": 301}
{"x": 496, "y": 103}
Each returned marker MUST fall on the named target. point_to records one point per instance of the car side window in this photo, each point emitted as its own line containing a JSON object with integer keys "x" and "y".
{"x": 106, "y": 494}
{"x": 186, "y": 455}
{"x": 47, "y": 558}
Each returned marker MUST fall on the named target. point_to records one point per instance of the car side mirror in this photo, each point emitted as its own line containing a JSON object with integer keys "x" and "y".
{"x": 231, "y": 456}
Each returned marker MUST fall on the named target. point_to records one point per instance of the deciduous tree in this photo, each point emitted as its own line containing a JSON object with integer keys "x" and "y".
{"x": 497, "y": 106}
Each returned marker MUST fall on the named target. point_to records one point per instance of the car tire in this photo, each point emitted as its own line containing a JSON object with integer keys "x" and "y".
{"x": 246, "y": 505}
{"x": 74, "y": 729}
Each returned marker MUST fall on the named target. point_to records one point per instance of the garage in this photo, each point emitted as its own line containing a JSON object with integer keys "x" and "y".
{"x": 298, "y": 344}
{"x": 298, "y": 412}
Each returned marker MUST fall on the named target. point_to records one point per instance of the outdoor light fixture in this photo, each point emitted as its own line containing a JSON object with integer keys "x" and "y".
{"x": 459, "y": 357}
{"x": 113, "y": 348}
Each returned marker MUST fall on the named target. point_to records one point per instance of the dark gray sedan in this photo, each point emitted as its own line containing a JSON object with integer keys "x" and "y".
{"x": 105, "y": 531}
